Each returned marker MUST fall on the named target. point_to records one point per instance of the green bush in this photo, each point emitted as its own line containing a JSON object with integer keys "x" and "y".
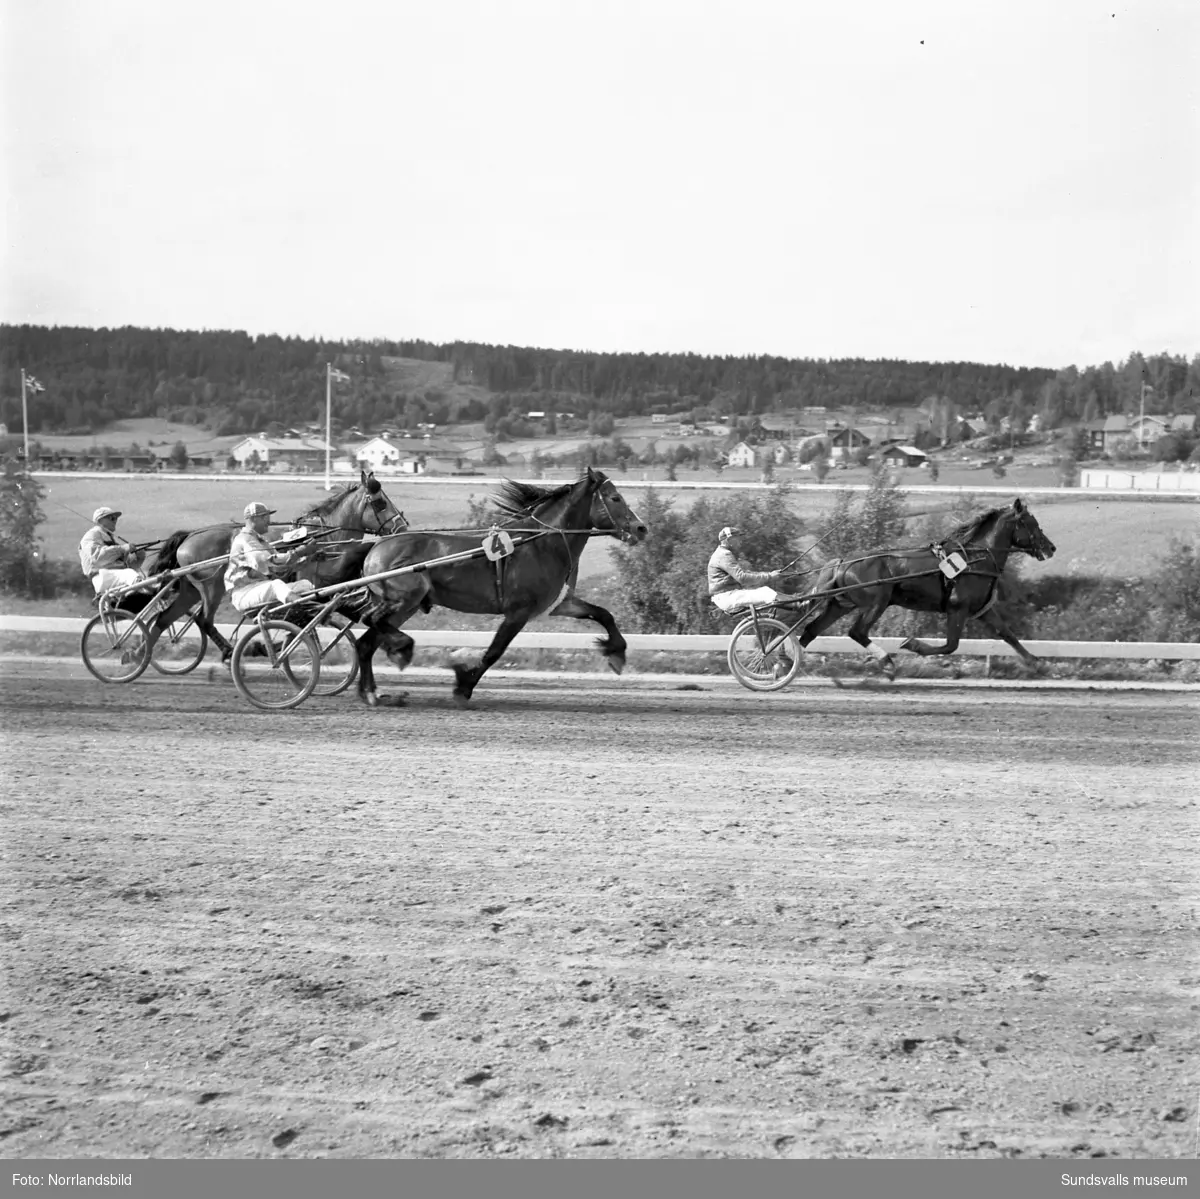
{"x": 21, "y": 561}
{"x": 664, "y": 580}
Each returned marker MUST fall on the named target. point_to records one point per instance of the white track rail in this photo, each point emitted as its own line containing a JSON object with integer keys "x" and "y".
{"x": 718, "y": 643}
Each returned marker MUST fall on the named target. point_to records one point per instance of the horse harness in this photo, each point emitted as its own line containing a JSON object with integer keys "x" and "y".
{"x": 953, "y": 563}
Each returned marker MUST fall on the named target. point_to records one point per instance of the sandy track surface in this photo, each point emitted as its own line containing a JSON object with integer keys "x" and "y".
{"x": 597, "y": 920}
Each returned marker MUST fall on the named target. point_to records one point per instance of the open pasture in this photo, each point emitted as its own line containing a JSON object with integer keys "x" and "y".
{"x": 598, "y": 921}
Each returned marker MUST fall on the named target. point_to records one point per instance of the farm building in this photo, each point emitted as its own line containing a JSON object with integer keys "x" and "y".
{"x": 844, "y": 440}
{"x": 377, "y": 454}
{"x": 1102, "y": 434}
{"x": 105, "y": 460}
{"x": 904, "y": 455}
{"x": 280, "y": 453}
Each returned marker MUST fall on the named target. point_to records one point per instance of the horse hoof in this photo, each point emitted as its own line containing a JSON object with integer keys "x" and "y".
{"x": 616, "y": 663}
{"x": 461, "y": 700}
{"x": 369, "y": 698}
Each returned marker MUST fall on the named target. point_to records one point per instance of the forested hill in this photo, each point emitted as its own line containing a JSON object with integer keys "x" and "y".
{"x": 233, "y": 382}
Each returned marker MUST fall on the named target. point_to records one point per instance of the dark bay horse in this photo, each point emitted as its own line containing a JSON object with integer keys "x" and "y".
{"x": 357, "y": 510}
{"x": 867, "y": 586}
{"x": 548, "y": 526}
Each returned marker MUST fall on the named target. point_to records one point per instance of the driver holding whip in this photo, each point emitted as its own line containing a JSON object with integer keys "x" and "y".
{"x": 108, "y": 560}
{"x": 731, "y": 585}
{"x": 253, "y": 574}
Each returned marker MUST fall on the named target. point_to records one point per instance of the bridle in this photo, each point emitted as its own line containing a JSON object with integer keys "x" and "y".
{"x": 379, "y": 504}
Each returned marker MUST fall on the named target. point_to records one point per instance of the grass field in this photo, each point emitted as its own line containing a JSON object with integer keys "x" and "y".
{"x": 1094, "y": 535}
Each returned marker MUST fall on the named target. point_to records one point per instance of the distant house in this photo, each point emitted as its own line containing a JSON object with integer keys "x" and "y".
{"x": 743, "y": 455}
{"x": 844, "y": 440}
{"x": 281, "y": 453}
{"x": 105, "y": 460}
{"x": 904, "y": 455}
{"x": 965, "y": 429}
{"x": 141, "y": 463}
{"x": 1148, "y": 429}
{"x": 1185, "y": 422}
{"x": 378, "y": 454}
{"x": 61, "y": 460}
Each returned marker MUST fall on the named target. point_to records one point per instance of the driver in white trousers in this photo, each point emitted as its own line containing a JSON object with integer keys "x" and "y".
{"x": 108, "y": 560}
{"x": 252, "y": 576}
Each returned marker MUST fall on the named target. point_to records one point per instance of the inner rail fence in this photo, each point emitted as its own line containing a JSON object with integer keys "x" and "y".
{"x": 712, "y": 643}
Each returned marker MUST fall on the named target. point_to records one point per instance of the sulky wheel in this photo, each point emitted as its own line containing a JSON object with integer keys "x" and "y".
{"x": 273, "y": 668}
{"x": 114, "y": 646}
{"x": 764, "y": 654}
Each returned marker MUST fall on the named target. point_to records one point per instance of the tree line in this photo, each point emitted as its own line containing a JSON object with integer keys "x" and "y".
{"x": 233, "y": 382}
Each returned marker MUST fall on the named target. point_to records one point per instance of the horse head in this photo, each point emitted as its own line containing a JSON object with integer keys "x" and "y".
{"x": 349, "y": 508}
{"x": 388, "y": 517}
{"x": 1026, "y": 534}
{"x": 610, "y": 512}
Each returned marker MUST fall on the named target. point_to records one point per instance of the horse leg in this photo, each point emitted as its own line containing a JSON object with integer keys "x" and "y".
{"x": 210, "y": 592}
{"x": 823, "y": 618}
{"x": 184, "y": 599}
{"x": 365, "y": 648}
{"x": 860, "y": 629}
{"x": 955, "y": 619}
{"x": 399, "y": 648}
{"x": 993, "y": 622}
{"x": 613, "y": 646}
{"x": 466, "y": 677}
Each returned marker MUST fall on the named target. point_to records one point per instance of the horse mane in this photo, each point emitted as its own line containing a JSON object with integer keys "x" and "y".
{"x": 329, "y": 504}
{"x": 969, "y": 529}
{"x": 516, "y": 499}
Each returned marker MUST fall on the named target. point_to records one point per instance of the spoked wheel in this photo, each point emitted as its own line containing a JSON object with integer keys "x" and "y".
{"x": 180, "y": 647}
{"x": 763, "y": 654}
{"x": 114, "y": 646}
{"x": 265, "y": 676}
{"x": 339, "y": 660}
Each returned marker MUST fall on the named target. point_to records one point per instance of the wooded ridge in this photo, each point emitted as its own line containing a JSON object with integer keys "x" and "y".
{"x": 232, "y": 382}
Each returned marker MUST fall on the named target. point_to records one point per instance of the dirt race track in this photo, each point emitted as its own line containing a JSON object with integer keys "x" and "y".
{"x": 598, "y": 920}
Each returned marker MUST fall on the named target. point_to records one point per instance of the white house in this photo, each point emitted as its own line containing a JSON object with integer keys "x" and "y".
{"x": 743, "y": 455}
{"x": 378, "y": 454}
{"x": 280, "y": 453}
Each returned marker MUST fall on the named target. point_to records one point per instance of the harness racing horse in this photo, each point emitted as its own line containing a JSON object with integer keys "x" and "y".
{"x": 549, "y": 528}
{"x": 871, "y": 584}
{"x": 350, "y": 511}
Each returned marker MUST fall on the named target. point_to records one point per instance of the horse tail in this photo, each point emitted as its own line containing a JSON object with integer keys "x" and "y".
{"x": 168, "y": 554}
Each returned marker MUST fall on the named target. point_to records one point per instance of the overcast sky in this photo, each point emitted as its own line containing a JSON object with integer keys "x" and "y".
{"x": 1011, "y": 182}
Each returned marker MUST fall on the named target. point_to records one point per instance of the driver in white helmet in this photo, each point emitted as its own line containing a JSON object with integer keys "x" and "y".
{"x": 252, "y": 576}
{"x": 106, "y": 559}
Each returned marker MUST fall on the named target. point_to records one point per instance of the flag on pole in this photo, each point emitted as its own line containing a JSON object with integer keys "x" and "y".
{"x": 338, "y": 376}
{"x": 32, "y": 384}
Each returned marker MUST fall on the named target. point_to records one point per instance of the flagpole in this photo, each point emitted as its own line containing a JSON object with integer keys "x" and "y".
{"x": 328, "y": 410}
{"x": 24, "y": 418}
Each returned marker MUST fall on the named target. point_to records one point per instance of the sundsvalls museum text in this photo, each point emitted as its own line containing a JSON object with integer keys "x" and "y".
{"x": 1124, "y": 1180}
